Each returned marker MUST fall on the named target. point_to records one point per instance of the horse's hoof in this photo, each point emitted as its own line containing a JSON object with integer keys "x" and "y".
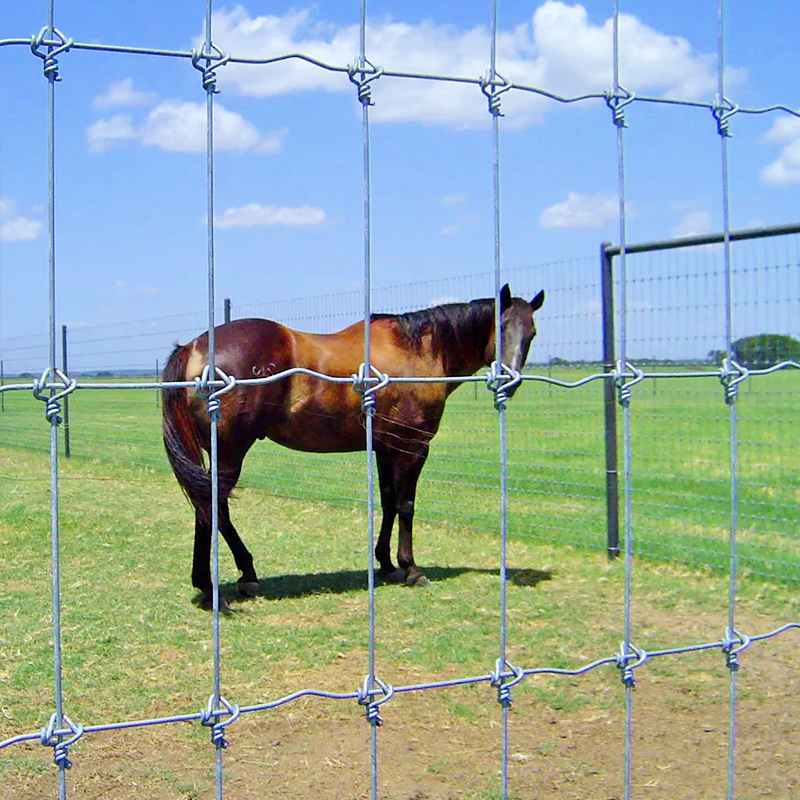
{"x": 248, "y": 588}
{"x": 207, "y": 604}
{"x": 416, "y": 578}
{"x": 395, "y": 576}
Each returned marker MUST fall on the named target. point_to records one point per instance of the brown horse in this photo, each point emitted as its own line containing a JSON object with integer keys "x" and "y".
{"x": 308, "y": 413}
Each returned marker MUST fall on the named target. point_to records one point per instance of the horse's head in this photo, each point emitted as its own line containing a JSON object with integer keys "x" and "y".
{"x": 518, "y": 327}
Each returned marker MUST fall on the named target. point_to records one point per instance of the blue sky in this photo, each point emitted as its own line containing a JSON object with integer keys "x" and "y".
{"x": 131, "y": 167}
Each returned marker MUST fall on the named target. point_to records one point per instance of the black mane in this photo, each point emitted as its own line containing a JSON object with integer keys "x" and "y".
{"x": 453, "y": 327}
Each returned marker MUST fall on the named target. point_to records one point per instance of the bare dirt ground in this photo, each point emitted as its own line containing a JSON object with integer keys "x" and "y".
{"x": 445, "y": 743}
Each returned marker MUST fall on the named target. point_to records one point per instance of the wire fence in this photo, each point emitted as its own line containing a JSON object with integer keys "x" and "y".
{"x": 723, "y": 512}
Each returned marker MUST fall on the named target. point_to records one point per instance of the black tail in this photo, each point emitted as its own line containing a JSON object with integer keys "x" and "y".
{"x": 182, "y": 436}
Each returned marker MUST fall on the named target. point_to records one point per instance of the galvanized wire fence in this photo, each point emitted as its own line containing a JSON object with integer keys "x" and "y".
{"x": 631, "y": 380}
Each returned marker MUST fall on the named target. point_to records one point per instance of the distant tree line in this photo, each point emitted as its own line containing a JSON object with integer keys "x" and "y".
{"x": 762, "y": 351}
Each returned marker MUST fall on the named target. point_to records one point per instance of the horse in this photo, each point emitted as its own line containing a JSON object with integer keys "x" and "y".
{"x": 306, "y": 412}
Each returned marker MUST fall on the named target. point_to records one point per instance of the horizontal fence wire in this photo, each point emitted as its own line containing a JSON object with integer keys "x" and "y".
{"x": 564, "y": 372}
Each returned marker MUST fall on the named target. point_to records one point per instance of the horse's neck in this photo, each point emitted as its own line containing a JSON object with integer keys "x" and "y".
{"x": 475, "y": 338}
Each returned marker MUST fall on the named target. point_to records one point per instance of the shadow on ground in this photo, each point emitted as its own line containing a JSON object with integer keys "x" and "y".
{"x": 280, "y": 587}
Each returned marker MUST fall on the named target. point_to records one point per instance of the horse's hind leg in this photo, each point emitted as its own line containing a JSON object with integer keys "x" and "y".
{"x": 406, "y": 468}
{"x": 387, "y": 572}
{"x": 247, "y": 584}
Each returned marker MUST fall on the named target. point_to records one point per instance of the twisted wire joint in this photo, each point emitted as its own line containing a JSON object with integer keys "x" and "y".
{"x": 52, "y": 404}
{"x": 617, "y": 101}
{"x": 201, "y": 387}
{"x": 499, "y": 380}
{"x": 365, "y": 695}
{"x": 367, "y": 392}
{"x": 50, "y": 62}
{"x": 731, "y": 375}
{"x": 214, "y": 58}
{"x": 624, "y": 392}
{"x": 492, "y": 89}
{"x": 498, "y": 680}
{"x": 734, "y": 643}
{"x": 210, "y": 717}
{"x": 49, "y": 738}
{"x": 362, "y": 75}
{"x": 723, "y": 109}
{"x": 622, "y": 659}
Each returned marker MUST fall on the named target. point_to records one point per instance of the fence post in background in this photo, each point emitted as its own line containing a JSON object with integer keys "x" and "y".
{"x": 2, "y": 394}
{"x": 158, "y": 380}
{"x": 610, "y": 403}
{"x": 227, "y": 309}
{"x": 66, "y": 399}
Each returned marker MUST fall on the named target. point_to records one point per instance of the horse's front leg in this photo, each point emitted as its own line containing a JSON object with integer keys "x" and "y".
{"x": 407, "y": 468}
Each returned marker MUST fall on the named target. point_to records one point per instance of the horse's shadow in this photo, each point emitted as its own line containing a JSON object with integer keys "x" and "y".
{"x": 281, "y": 587}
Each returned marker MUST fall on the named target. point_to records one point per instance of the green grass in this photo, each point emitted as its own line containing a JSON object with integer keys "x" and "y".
{"x": 681, "y": 484}
{"x": 134, "y": 646}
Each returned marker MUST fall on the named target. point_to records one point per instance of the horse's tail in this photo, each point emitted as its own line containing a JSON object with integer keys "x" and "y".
{"x": 182, "y": 437}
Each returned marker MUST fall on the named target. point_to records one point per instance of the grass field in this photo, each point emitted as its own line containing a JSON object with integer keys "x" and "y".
{"x": 134, "y": 646}
{"x": 681, "y": 482}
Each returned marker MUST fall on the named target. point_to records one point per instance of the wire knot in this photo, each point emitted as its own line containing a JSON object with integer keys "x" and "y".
{"x": 622, "y": 659}
{"x": 358, "y": 75}
{"x": 361, "y": 385}
{"x": 210, "y": 717}
{"x": 723, "y": 109}
{"x": 616, "y": 101}
{"x": 731, "y": 374}
{"x": 49, "y": 738}
{"x": 365, "y": 698}
{"x": 624, "y": 392}
{"x": 498, "y": 679}
{"x": 50, "y": 62}
{"x": 502, "y": 380}
{"x": 492, "y": 88}
{"x": 214, "y": 58}
{"x": 202, "y": 384}
{"x": 52, "y": 404}
{"x": 729, "y": 644}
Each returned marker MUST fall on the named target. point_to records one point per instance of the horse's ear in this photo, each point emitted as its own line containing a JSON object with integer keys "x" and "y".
{"x": 505, "y": 298}
{"x": 538, "y": 301}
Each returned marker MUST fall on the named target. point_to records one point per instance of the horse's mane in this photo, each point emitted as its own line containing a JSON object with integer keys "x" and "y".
{"x": 453, "y": 327}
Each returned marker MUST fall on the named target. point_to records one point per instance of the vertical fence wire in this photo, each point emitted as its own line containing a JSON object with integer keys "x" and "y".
{"x": 57, "y": 721}
{"x": 731, "y": 397}
{"x": 370, "y": 681}
{"x": 502, "y": 659}
{"x": 626, "y": 411}
{"x": 215, "y": 701}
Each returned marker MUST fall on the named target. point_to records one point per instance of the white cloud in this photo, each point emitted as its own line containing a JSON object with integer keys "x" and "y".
{"x": 123, "y": 288}
{"x": 121, "y": 94}
{"x": 254, "y": 215}
{"x": 448, "y": 230}
{"x": 15, "y": 227}
{"x": 785, "y": 170}
{"x": 453, "y": 199}
{"x": 581, "y": 211}
{"x": 180, "y": 126}
{"x": 559, "y": 49}
{"x": 105, "y": 133}
{"x": 693, "y": 223}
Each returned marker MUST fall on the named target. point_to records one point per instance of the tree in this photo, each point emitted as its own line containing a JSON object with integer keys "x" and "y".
{"x": 717, "y": 356}
{"x": 766, "y": 349}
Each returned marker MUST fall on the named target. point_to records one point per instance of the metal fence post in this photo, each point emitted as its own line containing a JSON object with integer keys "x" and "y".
{"x": 610, "y": 402}
{"x": 227, "y": 309}
{"x": 66, "y": 399}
